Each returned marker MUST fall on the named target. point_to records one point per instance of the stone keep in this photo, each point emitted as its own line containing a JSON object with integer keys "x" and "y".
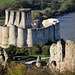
{"x": 19, "y": 31}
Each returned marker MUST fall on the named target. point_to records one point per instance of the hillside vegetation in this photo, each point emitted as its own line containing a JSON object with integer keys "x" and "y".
{"x": 41, "y": 9}
{"x": 6, "y": 0}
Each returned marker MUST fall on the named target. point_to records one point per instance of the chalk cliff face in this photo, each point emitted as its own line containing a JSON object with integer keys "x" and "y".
{"x": 64, "y": 60}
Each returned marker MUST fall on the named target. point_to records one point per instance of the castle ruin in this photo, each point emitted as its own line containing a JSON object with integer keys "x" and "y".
{"x": 19, "y": 31}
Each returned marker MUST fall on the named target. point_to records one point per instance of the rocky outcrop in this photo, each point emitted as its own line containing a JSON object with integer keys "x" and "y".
{"x": 38, "y": 61}
{"x": 4, "y": 58}
{"x": 1, "y": 58}
{"x": 70, "y": 55}
{"x": 63, "y": 60}
{"x": 56, "y": 53}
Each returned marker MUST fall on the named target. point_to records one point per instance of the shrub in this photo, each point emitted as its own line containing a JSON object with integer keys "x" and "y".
{"x": 72, "y": 6}
{"x": 11, "y": 50}
{"x": 3, "y": 70}
{"x": 48, "y": 12}
{"x": 16, "y": 69}
{"x": 38, "y": 15}
{"x": 21, "y": 51}
{"x": 24, "y": 51}
{"x": 72, "y": 1}
{"x": 41, "y": 44}
{"x": 65, "y": 8}
{"x": 43, "y": 5}
{"x": 34, "y": 50}
{"x": 45, "y": 50}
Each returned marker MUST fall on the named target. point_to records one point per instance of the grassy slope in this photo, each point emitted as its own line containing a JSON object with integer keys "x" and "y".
{"x": 32, "y": 57}
{"x": 5, "y": 0}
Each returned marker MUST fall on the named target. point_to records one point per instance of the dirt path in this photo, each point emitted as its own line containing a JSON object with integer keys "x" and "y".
{"x": 30, "y": 62}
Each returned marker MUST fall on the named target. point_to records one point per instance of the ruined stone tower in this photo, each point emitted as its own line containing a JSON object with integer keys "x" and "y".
{"x": 19, "y": 31}
{"x": 20, "y": 18}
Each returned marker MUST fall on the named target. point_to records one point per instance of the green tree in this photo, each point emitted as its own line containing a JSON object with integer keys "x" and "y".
{"x": 65, "y": 8}
{"x": 43, "y": 4}
{"x": 55, "y": 5}
{"x": 72, "y": 1}
{"x": 38, "y": 16}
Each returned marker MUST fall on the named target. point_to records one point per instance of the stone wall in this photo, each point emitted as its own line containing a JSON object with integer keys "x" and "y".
{"x": 25, "y": 37}
{"x": 40, "y": 35}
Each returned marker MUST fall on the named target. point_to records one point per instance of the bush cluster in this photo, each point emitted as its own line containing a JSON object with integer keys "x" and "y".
{"x": 16, "y": 69}
{"x": 20, "y": 69}
{"x": 13, "y": 50}
{"x": 35, "y": 50}
{"x": 45, "y": 50}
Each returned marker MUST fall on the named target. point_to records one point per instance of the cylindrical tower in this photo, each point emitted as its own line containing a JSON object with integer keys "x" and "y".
{"x": 23, "y": 22}
{"x": 13, "y": 35}
{"x": 20, "y": 39}
{"x": 12, "y": 18}
{"x": 29, "y": 38}
{"x": 5, "y": 35}
{"x": 25, "y": 18}
{"x": 17, "y": 18}
{"x": 7, "y": 15}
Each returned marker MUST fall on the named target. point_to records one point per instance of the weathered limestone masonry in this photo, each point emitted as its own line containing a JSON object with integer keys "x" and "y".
{"x": 20, "y": 18}
{"x": 63, "y": 54}
{"x": 19, "y": 31}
